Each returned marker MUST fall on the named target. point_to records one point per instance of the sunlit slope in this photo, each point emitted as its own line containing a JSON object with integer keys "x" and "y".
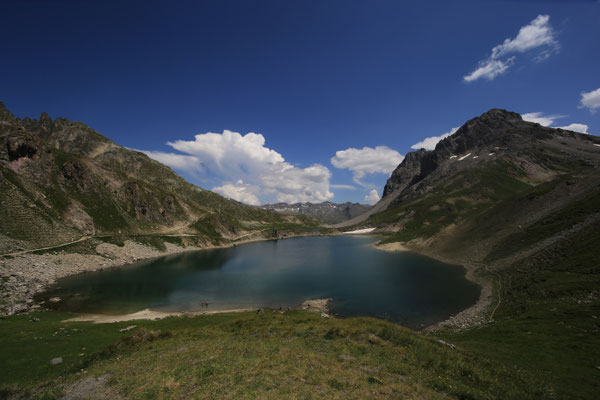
{"x": 61, "y": 180}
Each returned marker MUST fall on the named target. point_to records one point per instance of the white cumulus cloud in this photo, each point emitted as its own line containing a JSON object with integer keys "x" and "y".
{"x": 590, "y": 100}
{"x": 239, "y": 191}
{"x": 489, "y": 69}
{"x": 575, "y": 127}
{"x": 298, "y": 185}
{"x": 430, "y": 142}
{"x": 372, "y": 197}
{"x": 548, "y": 120}
{"x": 256, "y": 170}
{"x": 367, "y": 160}
{"x": 537, "y": 35}
{"x": 179, "y": 161}
{"x": 540, "y": 118}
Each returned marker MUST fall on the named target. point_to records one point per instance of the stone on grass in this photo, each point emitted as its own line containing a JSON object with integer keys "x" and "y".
{"x": 128, "y": 328}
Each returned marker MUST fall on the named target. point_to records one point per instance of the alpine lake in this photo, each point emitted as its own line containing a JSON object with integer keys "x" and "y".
{"x": 403, "y": 287}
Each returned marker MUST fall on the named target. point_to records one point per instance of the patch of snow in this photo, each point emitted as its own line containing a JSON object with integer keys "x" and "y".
{"x": 491, "y": 154}
{"x": 451, "y": 157}
{"x": 463, "y": 157}
{"x": 475, "y": 156}
{"x": 597, "y": 145}
{"x": 359, "y": 231}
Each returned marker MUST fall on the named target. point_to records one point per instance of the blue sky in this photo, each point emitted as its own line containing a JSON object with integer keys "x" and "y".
{"x": 333, "y": 92}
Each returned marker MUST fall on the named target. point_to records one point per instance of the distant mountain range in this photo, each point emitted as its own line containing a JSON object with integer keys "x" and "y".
{"x": 327, "y": 212}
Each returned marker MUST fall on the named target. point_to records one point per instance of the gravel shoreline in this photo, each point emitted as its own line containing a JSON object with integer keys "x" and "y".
{"x": 477, "y": 314}
{"x": 24, "y": 275}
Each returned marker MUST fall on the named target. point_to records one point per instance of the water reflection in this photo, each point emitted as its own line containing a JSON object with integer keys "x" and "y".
{"x": 402, "y": 287}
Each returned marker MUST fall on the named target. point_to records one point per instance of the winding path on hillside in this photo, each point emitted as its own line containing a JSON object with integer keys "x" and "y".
{"x": 18, "y": 253}
{"x": 87, "y": 237}
{"x": 537, "y": 247}
{"x": 498, "y": 292}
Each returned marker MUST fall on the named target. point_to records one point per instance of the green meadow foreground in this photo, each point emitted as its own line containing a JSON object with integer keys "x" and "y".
{"x": 297, "y": 354}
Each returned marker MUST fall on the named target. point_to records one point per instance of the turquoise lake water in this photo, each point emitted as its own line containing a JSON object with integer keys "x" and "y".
{"x": 402, "y": 287}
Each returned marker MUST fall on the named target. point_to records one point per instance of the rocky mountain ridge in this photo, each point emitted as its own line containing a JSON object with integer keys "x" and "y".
{"x": 495, "y": 135}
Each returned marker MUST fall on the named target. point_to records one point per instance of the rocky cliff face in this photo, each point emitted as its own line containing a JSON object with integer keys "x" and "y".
{"x": 492, "y": 179}
{"x": 327, "y": 212}
{"x": 495, "y": 136}
{"x": 60, "y": 180}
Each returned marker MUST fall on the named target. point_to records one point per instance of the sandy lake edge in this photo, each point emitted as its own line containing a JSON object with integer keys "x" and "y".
{"x": 313, "y": 305}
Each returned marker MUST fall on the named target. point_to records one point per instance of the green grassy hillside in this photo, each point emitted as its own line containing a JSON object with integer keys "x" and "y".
{"x": 295, "y": 354}
{"x": 548, "y": 320}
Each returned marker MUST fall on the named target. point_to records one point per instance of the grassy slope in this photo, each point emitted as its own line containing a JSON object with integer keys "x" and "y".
{"x": 548, "y": 322}
{"x": 297, "y": 354}
{"x": 467, "y": 194}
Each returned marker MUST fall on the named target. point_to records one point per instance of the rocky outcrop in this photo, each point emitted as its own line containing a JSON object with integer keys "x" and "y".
{"x": 407, "y": 172}
{"x": 76, "y": 172}
{"x": 17, "y": 147}
{"x": 496, "y": 135}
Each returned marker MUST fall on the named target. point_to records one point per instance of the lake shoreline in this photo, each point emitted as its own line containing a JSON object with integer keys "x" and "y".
{"x": 30, "y": 274}
{"x": 26, "y": 275}
{"x": 475, "y": 315}
{"x": 313, "y": 305}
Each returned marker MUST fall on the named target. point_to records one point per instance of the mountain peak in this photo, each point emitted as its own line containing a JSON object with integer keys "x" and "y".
{"x": 5, "y": 114}
{"x": 494, "y": 135}
{"x": 494, "y": 126}
{"x": 498, "y": 113}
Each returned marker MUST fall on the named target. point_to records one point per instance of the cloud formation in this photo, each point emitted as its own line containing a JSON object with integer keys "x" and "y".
{"x": 540, "y": 118}
{"x": 590, "y": 100}
{"x": 548, "y": 120}
{"x": 581, "y": 128}
{"x": 430, "y": 142}
{"x": 347, "y": 187}
{"x": 256, "y": 170}
{"x": 489, "y": 69}
{"x": 239, "y": 191}
{"x": 367, "y": 160}
{"x": 372, "y": 197}
{"x": 537, "y": 35}
{"x": 179, "y": 161}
